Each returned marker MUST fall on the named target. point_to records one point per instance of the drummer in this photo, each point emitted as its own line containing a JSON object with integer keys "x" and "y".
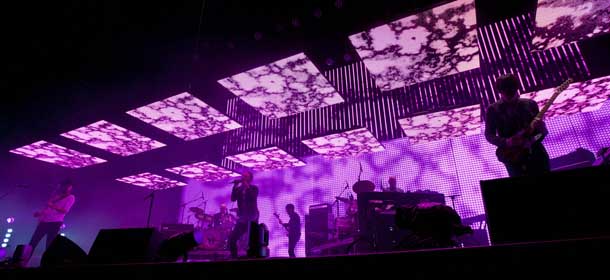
{"x": 392, "y": 188}
{"x": 223, "y": 219}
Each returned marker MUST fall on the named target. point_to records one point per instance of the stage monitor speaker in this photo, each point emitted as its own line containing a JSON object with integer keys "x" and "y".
{"x": 130, "y": 245}
{"x": 318, "y": 226}
{"x": 61, "y": 252}
{"x": 559, "y": 205}
{"x": 169, "y": 230}
{"x": 21, "y": 256}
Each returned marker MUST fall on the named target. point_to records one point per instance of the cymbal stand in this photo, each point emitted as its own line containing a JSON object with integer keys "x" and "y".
{"x": 337, "y": 200}
{"x": 183, "y": 206}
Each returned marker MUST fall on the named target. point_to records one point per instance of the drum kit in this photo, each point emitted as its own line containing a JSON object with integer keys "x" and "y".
{"x": 347, "y": 225}
{"x": 216, "y": 228}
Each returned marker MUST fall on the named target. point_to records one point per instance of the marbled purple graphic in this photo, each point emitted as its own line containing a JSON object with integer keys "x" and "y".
{"x": 344, "y": 144}
{"x": 432, "y": 44}
{"x": 151, "y": 181}
{"x": 285, "y": 87}
{"x": 56, "y": 154}
{"x": 203, "y": 171}
{"x": 578, "y": 97}
{"x": 266, "y": 159}
{"x": 452, "y": 166}
{"x": 184, "y": 116}
{"x": 112, "y": 138}
{"x": 561, "y": 22}
{"x": 440, "y": 125}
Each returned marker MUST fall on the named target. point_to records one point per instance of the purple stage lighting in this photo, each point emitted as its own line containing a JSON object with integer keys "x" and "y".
{"x": 285, "y": 87}
{"x": 185, "y": 117}
{"x": 151, "y": 181}
{"x": 578, "y": 97}
{"x": 432, "y": 44}
{"x": 344, "y": 144}
{"x": 10, "y": 220}
{"x": 560, "y": 22}
{"x": 203, "y": 171}
{"x": 112, "y": 138}
{"x": 440, "y": 125}
{"x": 266, "y": 159}
{"x": 56, "y": 154}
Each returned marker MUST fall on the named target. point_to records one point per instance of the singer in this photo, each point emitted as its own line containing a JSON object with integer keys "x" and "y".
{"x": 246, "y": 196}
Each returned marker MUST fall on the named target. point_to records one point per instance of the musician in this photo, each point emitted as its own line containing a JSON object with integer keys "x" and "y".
{"x": 506, "y": 118}
{"x": 51, "y": 218}
{"x": 294, "y": 229}
{"x": 392, "y": 188}
{"x": 430, "y": 225}
{"x": 246, "y": 196}
{"x": 222, "y": 218}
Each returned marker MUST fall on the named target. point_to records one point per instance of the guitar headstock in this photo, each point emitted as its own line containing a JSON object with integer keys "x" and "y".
{"x": 564, "y": 85}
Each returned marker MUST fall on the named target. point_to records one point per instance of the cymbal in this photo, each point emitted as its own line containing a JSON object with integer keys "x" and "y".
{"x": 204, "y": 217}
{"x": 344, "y": 199}
{"x": 196, "y": 210}
{"x": 363, "y": 186}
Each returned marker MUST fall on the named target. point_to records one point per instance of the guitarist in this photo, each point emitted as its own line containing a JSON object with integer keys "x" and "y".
{"x": 294, "y": 229}
{"x": 52, "y": 216}
{"x": 505, "y": 122}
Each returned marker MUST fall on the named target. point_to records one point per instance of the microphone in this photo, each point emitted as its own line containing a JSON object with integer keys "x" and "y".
{"x": 202, "y": 196}
{"x": 360, "y": 166}
{"x": 346, "y": 185}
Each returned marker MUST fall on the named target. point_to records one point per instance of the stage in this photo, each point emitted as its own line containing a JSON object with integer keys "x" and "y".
{"x": 355, "y": 136}
{"x": 582, "y": 258}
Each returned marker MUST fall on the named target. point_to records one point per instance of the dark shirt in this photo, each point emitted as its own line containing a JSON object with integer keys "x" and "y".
{"x": 294, "y": 225}
{"x": 247, "y": 208}
{"x": 223, "y": 220}
{"x": 505, "y": 119}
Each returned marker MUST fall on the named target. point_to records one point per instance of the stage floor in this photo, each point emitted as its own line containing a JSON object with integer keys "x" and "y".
{"x": 584, "y": 257}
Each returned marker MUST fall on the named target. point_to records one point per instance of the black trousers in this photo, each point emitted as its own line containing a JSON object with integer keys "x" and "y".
{"x": 50, "y": 229}
{"x": 240, "y": 228}
{"x": 292, "y": 243}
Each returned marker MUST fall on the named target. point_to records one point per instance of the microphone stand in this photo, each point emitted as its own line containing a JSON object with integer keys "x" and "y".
{"x": 151, "y": 196}
{"x": 14, "y": 188}
{"x": 183, "y": 206}
{"x": 340, "y": 194}
{"x": 452, "y": 197}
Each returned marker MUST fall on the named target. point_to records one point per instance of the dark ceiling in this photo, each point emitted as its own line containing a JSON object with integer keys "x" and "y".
{"x": 69, "y": 63}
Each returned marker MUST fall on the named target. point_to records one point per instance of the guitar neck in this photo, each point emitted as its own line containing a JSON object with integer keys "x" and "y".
{"x": 549, "y": 102}
{"x": 278, "y": 219}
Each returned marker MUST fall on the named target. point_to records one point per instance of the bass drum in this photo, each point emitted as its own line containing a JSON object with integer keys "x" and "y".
{"x": 345, "y": 226}
{"x": 213, "y": 239}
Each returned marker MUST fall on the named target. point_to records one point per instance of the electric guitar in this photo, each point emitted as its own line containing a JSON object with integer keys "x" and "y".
{"x": 527, "y": 137}
{"x": 281, "y": 223}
